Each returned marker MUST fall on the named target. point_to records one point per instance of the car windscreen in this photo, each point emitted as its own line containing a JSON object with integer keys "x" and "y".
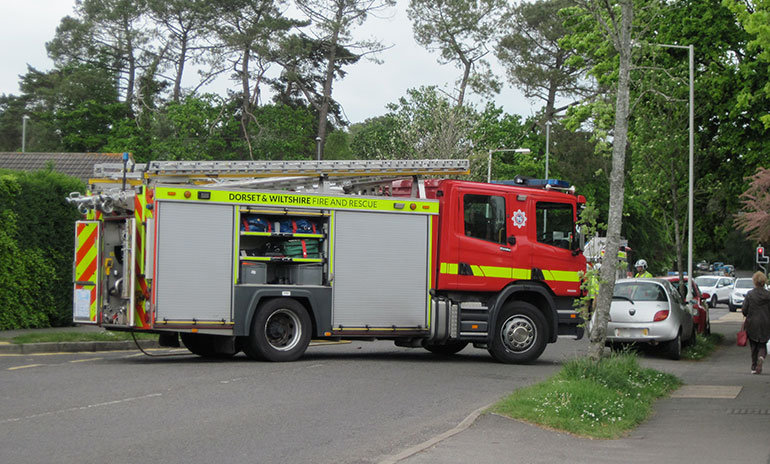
{"x": 744, "y": 283}
{"x": 706, "y": 281}
{"x": 640, "y": 291}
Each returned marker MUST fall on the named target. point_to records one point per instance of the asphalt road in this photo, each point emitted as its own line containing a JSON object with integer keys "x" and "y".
{"x": 347, "y": 403}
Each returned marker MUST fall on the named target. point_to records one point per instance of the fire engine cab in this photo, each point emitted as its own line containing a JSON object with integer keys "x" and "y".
{"x": 263, "y": 256}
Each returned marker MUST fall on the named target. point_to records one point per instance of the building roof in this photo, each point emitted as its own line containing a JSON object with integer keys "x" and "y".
{"x": 80, "y": 165}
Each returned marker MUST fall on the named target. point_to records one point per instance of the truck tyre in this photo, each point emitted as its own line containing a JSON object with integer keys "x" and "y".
{"x": 519, "y": 336}
{"x": 280, "y": 331}
{"x": 446, "y": 349}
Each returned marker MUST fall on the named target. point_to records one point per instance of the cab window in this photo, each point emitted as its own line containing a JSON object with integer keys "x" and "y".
{"x": 555, "y": 224}
{"x": 485, "y": 217}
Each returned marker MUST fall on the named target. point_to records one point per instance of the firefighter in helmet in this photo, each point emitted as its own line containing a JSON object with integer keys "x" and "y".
{"x": 641, "y": 269}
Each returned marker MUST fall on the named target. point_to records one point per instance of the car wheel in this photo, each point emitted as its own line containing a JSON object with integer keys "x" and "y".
{"x": 732, "y": 307}
{"x": 520, "y": 334}
{"x": 713, "y": 302}
{"x": 447, "y": 349}
{"x": 280, "y": 332}
{"x": 673, "y": 348}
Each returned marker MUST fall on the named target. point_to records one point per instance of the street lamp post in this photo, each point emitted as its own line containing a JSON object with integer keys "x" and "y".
{"x": 547, "y": 143}
{"x": 691, "y": 59}
{"x": 495, "y": 150}
{"x": 24, "y": 133}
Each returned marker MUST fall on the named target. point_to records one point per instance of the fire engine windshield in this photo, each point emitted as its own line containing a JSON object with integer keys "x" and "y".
{"x": 485, "y": 217}
{"x": 555, "y": 224}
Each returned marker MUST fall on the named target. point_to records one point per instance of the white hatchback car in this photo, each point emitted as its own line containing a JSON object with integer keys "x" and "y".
{"x": 717, "y": 287}
{"x": 740, "y": 288}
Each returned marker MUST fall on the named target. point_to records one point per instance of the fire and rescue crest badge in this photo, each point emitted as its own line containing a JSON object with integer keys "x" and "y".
{"x": 519, "y": 218}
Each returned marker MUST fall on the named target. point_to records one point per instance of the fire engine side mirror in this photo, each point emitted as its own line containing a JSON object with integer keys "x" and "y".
{"x": 511, "y": 240}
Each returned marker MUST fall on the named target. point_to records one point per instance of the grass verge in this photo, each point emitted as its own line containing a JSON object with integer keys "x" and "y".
{"x": 704, "y": 346}
{"x": 596, "y": 400}
{"x": 80, "y": 337}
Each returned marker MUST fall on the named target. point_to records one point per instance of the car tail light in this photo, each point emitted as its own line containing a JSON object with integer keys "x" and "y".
{"x": 661, "y": 315}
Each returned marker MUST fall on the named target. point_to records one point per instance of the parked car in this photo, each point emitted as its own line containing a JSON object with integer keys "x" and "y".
{"x": 650, "y": 311}
{"x": 727, "y": 270}
{"x": 702, "y": 266}
{"x": 718, "y": 288}
{"x": 738, "y": 293}
{"x": 701, "y": 318}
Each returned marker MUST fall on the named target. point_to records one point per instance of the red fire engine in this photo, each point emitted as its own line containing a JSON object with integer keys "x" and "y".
{"x": 221, "y": 255}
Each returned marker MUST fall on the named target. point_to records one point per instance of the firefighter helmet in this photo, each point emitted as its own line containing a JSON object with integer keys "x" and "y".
{"x": 641, "y": 263}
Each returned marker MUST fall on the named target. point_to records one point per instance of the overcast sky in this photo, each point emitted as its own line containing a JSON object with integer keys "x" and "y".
{"x": 26, "y": 26}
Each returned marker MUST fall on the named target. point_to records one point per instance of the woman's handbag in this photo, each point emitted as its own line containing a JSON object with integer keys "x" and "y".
{"x": 742, "y": 337}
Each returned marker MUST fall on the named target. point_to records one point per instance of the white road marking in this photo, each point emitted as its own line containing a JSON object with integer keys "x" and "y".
{"x": 23, "y": 367}
{"x": 79, "y": 408}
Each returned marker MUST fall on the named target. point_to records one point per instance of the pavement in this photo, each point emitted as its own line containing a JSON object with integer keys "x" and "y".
{"x": 721, "y": 414}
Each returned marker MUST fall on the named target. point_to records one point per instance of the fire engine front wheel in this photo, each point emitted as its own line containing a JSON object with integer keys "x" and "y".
{"x": 280, "y": 331}
{"x": 519, "y": 335}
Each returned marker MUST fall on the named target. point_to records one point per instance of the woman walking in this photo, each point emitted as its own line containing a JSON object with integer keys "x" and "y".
{"x": 756, "y": 310}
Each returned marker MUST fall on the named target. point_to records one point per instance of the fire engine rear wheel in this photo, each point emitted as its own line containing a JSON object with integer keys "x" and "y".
{"x": 446, "y": 349}
{"x": 519, "y": 335}
{"x": 280, "y": 331}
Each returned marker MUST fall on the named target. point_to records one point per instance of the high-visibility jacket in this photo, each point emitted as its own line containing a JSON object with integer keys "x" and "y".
{"x": 643, "y": 274}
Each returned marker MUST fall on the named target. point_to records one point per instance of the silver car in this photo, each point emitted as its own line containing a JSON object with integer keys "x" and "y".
{"x": 739, "y": 290}
{"x": 650, "y": 311}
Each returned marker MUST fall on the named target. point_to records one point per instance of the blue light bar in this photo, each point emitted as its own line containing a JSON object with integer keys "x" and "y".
{"x": 539, "y": 183}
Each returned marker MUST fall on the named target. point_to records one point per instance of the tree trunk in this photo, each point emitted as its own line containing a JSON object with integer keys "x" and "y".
{"x": 244, "y": 72}
{"x": 180, "y": 67}
{"x": 131, "y": 66}
{"x": 677, "y": 235}
{"x": 598, "y": 334}
{"x": 323, "y": 111}
{"x": 464, "y": 81}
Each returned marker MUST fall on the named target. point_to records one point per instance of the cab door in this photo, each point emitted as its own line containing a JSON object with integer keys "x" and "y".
{"x": 553, "y": 239}
{"x": 483, "y": 252}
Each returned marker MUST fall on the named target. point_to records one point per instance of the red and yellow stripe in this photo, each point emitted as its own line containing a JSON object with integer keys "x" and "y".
{"x": 86, "y": 261}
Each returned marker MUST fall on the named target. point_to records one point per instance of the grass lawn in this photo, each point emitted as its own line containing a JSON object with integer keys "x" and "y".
{"x": 596, "y": 400}
{"x": 106, "y": 336}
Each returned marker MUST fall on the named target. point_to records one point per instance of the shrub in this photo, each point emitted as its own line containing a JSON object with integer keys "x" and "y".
{"x": 37, "y": 230}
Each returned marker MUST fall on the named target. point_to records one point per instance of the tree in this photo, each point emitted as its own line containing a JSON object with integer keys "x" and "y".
{"x": 431, "y": 127}
{"x": 187, "y": 23}
{"x": 754, "y": 218}
{"x": 378, "y": 138}
{"x": 333, "y": 22}
{"x": 754, "y": 15}
{"x": 531, "y": 53}
{"x": 107, "y": 33}
{"x": 613, "y": 21}
{"x": 250, "y": 33}
{"x": 460, "y": 31}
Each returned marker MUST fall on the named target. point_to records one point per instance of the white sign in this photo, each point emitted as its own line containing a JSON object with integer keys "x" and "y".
{"x": 83, "y": 304}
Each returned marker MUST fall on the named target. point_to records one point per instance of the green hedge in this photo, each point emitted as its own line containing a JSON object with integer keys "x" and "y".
{"x": 37, "y": 229}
